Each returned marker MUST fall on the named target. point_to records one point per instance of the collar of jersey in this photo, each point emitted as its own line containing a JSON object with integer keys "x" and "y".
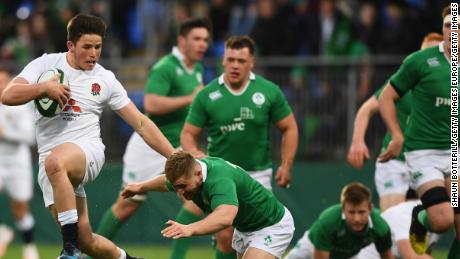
{"x": 204, "y": 169}
{"x": 252, "y": 76}
{"x": 176, "y": 53}
{"x": 441, "y": 49}
{"x": 370, "y": 224}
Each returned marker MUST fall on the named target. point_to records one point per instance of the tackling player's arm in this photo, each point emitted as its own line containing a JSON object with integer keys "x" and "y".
{"x": 189, "y": 139}
{"x": 221, "y": 218}
{"x": 158, "y": 105}
{"x": 407, "y": 252}
{"x": 146, "y": 129}
{"x": 358, "y": 148}
{"x": 320, "y": 254}
{"x": 289, "y": 142}
{"x": 157, "y": 183}
{"x": 20, "y": 91}
{"x": 388, "y": 112}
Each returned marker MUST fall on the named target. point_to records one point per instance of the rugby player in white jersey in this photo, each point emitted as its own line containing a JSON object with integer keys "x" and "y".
{"x": 71, "y": 152}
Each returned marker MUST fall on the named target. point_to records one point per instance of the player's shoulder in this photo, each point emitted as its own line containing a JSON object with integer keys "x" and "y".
{"x": 331, "y": 214}
{"x": 165, "y": 63}
{"x": 420, "y": 56}
{"x": 379, "y": 225}
{"x": 264, "y": 83}
{"x": 103, "y": 73}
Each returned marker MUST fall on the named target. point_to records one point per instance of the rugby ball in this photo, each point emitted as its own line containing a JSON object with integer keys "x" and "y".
{"x": 47, "y": 106}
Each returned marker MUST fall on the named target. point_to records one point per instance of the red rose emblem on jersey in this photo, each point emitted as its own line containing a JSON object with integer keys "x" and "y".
{"x": 95, "y": 89}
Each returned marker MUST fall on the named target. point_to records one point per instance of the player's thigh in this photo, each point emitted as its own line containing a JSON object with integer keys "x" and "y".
{"x": 427, "y": 167}
{"x": 390, "y": 200}
{"x": 256, "y": 253}
{"x": 69, "y": 157}
{"x": 391, "y": 177}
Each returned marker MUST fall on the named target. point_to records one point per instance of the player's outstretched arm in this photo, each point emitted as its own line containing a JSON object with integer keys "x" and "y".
{"x": 388, "y": 112}
{"x": 222, "y": 217}
{"x": 289, "y": 142}
{"x": 157, "y": 184}
{"x": 20, "y": 91}
{"x": 146, "y": 129}
{"x": 358, "y": 148}
{"x": 189, "y": 139}
{"x": 407, "y": 252}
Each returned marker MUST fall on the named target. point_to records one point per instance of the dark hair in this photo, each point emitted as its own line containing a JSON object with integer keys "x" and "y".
{"x": 179, "y": 164}
{"x": 193, "y": 23}
{"x": 446, "y": 11}
{"x": 355, "y": 193}
{"x": 85, "y": 24}
{"x": 240, "y": 42}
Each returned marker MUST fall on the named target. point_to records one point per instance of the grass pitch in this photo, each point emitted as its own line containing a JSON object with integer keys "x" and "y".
{"x": 51, "y": 251}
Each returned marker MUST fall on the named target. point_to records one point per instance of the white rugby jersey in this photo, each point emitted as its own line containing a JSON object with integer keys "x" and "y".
{"x": 89, "y": 92}
{"x": 18, "y": 132}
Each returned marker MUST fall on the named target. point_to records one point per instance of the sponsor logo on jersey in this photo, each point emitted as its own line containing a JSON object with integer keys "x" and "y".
{"x": 71, "y": 111}
{"x": 179, "y": 71}
{"x": 433, "y": 62}
{"x": 258, "y": 98}
{"x": 441, "y": 101}
{"x": 95, "y": 89}
{"x": 246, "y": 113}
{"x": 215, "y": 95}
{"x": 236, "y": 126}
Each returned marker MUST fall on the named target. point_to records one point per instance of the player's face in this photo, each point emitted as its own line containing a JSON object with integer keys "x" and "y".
{"x": 85, "y": 53}
{"x": 238, "y": 64}
{"x": 188, "y": 185}
{"x": 196, "y": 44}
{"x": 357, "y": 216}
{"x": 446, "y": 32}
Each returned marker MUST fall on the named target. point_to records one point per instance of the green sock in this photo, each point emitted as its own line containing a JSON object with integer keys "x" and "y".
{"x": 423, "y": 219}
{"x": 180, "y": 246}
{"x": 454, "y": 252}
{"x": 109, "y": 225}
{"x": 221, "y": 255}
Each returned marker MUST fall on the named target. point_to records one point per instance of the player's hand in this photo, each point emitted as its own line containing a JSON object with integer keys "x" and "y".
{"x": 283, "y": 176}
{"x": 356, "y": 155}
{"x": 176, "y": 230}
{"x": 131, "y": 189}
{"x": 56, "y": 91}
{"x": 393, "y": 150}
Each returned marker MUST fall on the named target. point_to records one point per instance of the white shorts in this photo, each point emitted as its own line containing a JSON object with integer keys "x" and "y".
{"x": 274, "y": 239}
{"x": 264, "y": 177}
{"x": 94, "y": 154}
{"x": 304, "y": 249}
{"x": 391, "y": 177}
{"x": 140, "y": 161}
{"x": 427, "y": 165}
{"x": 16, "y": 180}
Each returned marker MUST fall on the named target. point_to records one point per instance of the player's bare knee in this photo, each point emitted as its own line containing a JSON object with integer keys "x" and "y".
{"x": 442, "y": 222}
{"x": 53, "y": 166}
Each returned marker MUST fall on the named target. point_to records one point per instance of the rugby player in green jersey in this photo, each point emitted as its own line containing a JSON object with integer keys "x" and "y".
{"x": 229, "y": 196}
{"x": 426, "y": 74}
{"x": 342, "y": 230}
{"x": 392, "y": 177}
{"x": 237, "y": 109}
{"x": 171, "y": 86}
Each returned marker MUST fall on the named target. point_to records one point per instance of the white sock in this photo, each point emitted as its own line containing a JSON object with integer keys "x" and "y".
{"x": 26, "y": 223}
{"x": 122, "y": 253}
{"x": 68, "y": 217}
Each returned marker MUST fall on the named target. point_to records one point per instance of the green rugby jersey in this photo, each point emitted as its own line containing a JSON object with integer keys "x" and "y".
{"x": 239, "y": 124}
{"x": 169, "y": 77}
{"x": 427, "y": 74}
{"x": 228, "y": 184}
{"x": 403, "y": 107}
{"x": 331, "y": 233}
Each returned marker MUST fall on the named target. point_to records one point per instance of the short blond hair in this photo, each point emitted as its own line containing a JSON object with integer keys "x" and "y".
{"x": 179, "y": 164}
{"x": 355, "y": 193}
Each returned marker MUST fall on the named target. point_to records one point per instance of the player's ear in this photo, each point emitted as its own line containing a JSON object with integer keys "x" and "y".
{"x": 70, "y": 46}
